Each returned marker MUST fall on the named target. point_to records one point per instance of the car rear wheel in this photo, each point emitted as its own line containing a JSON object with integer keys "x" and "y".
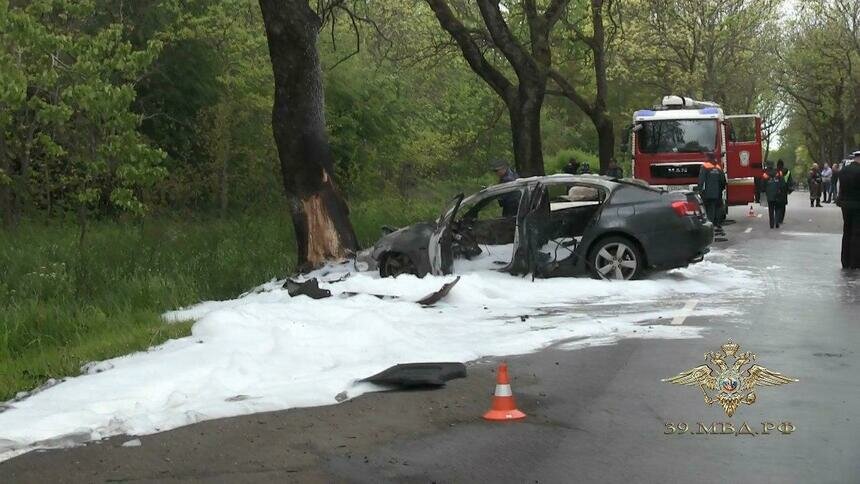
{"x": 616, "y": 259}
{"x": 394, "y": 264}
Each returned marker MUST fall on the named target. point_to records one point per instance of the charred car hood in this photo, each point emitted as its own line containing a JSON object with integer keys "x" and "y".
{"x": 407, "y": 240}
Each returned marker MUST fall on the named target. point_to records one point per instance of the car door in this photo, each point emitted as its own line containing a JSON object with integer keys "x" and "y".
{"x": 532, "y": 217}
{"x": 439, "y": 248}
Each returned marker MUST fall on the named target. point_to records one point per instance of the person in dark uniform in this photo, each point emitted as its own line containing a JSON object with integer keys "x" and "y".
{"x": 789, "y": 187}
{"x": 774, "y": 189}
{"x": 509, "y": 202}
{"x": 711, "y": 186}
{"x": 849, "y": 200}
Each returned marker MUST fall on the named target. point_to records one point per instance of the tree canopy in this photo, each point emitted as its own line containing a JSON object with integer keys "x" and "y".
{"x": 119, "y": 109}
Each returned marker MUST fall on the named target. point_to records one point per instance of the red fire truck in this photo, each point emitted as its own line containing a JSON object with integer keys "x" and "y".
{"x": 670, "y": 142}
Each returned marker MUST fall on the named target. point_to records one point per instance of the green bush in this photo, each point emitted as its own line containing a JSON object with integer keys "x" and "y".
{"x": 555, "y": 163}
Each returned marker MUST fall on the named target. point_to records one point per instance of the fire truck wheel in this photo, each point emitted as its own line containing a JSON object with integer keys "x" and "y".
{"x": 616, "y": 259}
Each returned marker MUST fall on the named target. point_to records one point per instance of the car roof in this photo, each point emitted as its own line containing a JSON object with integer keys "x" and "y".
{"x": 600, "y": 180}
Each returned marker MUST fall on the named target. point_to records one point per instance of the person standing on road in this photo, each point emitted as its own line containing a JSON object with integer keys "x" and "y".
{"x": 849, "y": 201}
{"x": 834, "y": 184}
{"x": 584, "y": 169}
{"x": 757, "y": 189}
{"x": 774, "y": 188}
{"x": 788, "y": 185}
{"x": 814, "y": 181}
{"x": 711, "y": 186}
{"x": 826, "y": 180}
{"x": 509, "y": 202}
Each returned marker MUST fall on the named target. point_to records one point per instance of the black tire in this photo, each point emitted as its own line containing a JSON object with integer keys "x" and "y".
{"x": 394, "y": 263}
{"x": 616, "y": 258}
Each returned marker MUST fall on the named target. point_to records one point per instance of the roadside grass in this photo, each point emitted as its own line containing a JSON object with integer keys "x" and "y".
{"x": 61, "y": 307}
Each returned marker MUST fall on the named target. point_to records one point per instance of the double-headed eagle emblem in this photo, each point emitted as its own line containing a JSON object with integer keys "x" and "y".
{"x": 733, "y": 386}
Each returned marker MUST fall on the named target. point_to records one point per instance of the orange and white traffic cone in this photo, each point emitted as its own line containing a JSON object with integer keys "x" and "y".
{"x": 751, "y": 213}
{"x": 503, "y": 407}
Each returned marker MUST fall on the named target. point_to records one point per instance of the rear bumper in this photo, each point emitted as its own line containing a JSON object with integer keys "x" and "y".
{"x": 678, "y": 248}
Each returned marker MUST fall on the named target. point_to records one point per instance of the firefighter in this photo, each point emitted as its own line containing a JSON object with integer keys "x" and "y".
{"x": 774, "y": 189}
{"x": 509, "y": 202}
{"x": 849, "y": 201}
{"x": 711, "y": 186}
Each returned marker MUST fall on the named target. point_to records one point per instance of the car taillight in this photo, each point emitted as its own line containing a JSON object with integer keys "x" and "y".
{"x": 684, "y": 209}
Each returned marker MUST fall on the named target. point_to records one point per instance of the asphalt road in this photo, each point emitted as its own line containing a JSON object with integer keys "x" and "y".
{"x": 594, "y": 415}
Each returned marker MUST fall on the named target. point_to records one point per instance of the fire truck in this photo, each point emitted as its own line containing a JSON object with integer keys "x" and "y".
{"x": 670, "y": 142}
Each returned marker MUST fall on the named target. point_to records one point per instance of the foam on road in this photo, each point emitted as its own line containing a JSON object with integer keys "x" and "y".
{"x": 268, "y": 351}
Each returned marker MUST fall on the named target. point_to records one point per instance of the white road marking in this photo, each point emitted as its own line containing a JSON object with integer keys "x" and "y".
{"x": 748, "y": 230}
{"x": 685, "y": 312}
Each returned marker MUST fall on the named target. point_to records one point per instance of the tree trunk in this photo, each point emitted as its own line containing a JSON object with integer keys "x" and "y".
{"x": 602, "y": 122}
{"x": 320, "y": 214}
{"x": 605, "y": 140}
{"x": 525, "y": 131}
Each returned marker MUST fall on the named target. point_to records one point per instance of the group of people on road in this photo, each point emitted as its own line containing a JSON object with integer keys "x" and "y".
{"x": 823, "y": 182}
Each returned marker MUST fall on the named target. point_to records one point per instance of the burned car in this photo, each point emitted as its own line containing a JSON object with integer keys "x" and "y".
{"x": 565, "y": 225}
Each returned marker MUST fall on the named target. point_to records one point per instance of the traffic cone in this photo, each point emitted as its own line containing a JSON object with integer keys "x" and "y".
{"x": 503, "y": 406}
{"x": 751, "y": 213}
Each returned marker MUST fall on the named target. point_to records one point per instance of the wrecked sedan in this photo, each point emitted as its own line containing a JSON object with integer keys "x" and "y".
{"x": 564, "y": 225}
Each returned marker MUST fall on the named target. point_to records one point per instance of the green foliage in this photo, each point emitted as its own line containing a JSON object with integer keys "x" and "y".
{"x": 556, "y": 163}
{"x": 68, "y": 94}
{"x": 819, "y": 57}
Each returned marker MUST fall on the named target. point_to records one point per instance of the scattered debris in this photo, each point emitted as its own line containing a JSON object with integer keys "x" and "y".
{"x": 237, "y": 398}
{"x": 419, "y": 374}
{"x": 132, "y": 443}
{"x": 309, "y": 288}
{"x": 341, "y": 396}
{"x": 27, "y": 394}
{"x": 377, "y": 296}
{"x": 433, "y": 298}
{"x": 342, "y": 278}
{"x": 96, "y": 367}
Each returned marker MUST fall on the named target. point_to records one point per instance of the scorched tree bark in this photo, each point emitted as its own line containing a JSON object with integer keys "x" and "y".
{"x": 320, "y": 214}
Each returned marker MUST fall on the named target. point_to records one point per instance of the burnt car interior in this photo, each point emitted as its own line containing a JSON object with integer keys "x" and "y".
{"x": 560, "y": 216}
{"x": 484, "y": 227}
{"x": 567, "y": 210}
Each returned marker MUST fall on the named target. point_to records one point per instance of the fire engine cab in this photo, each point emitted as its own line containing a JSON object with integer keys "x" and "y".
{"x": 670, "y": 142}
